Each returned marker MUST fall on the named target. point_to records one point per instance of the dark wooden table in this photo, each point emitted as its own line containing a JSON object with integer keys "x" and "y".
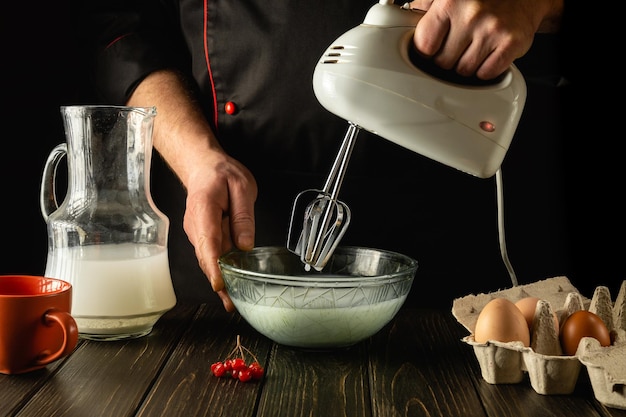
{"x": 416, "y": 366}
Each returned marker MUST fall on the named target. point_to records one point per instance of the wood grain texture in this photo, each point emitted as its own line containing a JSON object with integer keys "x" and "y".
{"x": 418, "y": 369}
{"x": 109, "y": 378}
{"x": 17, "y": 390}
{"x": 186, "y": 386}
{"x": 416, "y": 366}
{"x": 316, "y": 383}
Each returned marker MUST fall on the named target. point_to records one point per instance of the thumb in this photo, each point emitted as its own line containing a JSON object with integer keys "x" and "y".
{"x": 242, "y": 218}
{"x": 242, "y": 229}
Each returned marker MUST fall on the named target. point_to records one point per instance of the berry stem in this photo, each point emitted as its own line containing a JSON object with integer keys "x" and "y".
{"x": 240, "y": 347}
{"x": 236, "y": 365}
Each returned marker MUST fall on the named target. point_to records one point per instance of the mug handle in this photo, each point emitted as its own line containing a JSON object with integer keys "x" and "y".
{"x": 70, "y": 335}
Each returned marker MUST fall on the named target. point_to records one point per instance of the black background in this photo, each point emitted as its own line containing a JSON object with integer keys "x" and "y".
{"x": 567, "y": 147}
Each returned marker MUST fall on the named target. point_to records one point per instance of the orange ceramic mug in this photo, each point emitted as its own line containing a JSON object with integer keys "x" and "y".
{"x": 36, "y": 327}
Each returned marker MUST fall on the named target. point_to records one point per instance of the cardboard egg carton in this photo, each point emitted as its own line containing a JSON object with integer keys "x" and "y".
{"x": 550, "y": 371}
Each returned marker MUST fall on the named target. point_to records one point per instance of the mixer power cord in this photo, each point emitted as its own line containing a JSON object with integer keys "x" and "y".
{"x": 501, "y": 234}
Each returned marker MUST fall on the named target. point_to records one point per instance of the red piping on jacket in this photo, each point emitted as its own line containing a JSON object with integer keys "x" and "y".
{"x": 206, "y": 58}
{"x": 115, "y": 40}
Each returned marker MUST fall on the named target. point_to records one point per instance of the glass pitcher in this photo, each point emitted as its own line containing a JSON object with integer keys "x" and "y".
{"x": 107, "y": 237}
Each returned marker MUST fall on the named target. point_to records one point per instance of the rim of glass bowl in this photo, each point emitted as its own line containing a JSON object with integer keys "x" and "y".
{"x": 319, "y": 279}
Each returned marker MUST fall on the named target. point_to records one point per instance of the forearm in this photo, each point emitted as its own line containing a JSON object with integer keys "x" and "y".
{"x": 181, "y": 135}
{"x": 551, "y": 21}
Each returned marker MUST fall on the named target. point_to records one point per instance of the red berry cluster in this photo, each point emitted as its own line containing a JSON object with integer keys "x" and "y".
{"x": 235, "y": 365}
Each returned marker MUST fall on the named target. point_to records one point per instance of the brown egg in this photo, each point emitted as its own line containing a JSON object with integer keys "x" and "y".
{"x": 528, "y": 306}
{"x": 579, "y": 324}
{"x": 502, "y": 321}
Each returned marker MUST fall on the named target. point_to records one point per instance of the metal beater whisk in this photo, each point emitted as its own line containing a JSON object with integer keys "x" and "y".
{"x": 324, "y": 218}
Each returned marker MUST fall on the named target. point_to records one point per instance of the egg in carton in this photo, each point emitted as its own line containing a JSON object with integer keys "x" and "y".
{"x": 549, "y": 370}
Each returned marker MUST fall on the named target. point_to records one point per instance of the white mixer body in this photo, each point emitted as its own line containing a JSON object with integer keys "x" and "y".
{"x": 368, "y": 78}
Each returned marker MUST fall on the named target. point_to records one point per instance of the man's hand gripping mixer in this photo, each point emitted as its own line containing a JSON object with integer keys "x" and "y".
{"x": 373, "y": 77}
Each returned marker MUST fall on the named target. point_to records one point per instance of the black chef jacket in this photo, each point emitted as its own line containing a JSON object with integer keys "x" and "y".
{"x": 260, "y": 55}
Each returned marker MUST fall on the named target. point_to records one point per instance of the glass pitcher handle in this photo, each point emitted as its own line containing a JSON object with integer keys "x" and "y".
{"x": 47, "y": 197}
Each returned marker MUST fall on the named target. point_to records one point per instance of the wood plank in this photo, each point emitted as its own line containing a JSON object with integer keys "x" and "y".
{"x": 186, "y": 387}
{"x": 109, "y": 378}
{"x": 331, "y": 383}
{"x": 18, "y": 389}
{"x": 418, "y": 370}
{"x": 416, "y": 366}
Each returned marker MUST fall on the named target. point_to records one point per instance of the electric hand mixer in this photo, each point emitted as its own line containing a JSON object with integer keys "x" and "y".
{"x": 372, "y": 77}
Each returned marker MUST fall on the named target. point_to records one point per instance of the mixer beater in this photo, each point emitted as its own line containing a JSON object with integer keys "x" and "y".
{"x": 323, "y": 217}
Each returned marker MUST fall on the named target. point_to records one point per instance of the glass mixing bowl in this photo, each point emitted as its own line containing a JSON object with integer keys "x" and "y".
{"x": 358, "y": 292}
